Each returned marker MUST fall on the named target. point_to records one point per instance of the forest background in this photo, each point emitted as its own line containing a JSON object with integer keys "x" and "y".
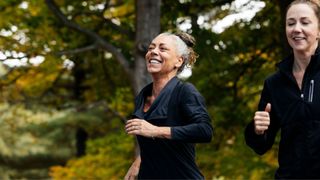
{"x": 70, "y": 70}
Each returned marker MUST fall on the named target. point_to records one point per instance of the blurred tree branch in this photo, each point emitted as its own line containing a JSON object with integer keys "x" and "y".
{"x": 96, "y": 37}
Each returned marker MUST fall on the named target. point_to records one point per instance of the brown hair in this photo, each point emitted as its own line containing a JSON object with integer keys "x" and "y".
{"x": 314, "y": 4}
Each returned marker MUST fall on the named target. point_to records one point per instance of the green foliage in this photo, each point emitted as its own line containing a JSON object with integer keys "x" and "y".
{"x": 21, "y": 146}
{"x": 230, "y": 159}
{"x": 107, "y": 158}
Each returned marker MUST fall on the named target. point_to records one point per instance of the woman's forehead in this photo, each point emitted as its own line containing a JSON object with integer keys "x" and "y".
{"x": 300, "y": 9}
{"x": 163, "y": 38}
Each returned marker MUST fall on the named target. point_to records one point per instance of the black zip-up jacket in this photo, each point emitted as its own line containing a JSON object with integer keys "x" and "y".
{"x": 297, "y": 113}
{"x": 181, "y": 107}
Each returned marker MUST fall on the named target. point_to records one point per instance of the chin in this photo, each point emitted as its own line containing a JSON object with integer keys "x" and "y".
{"x": 152, "y": 70}
{"x": 299, "y": 48}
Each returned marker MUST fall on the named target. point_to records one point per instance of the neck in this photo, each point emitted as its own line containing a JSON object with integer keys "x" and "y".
{"x": 301, "y": 60}
{"x": 300, "y": 64}
{"x": 159, "y": 83}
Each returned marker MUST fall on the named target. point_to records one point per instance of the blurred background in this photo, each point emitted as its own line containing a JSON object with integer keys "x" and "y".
{"x": 70, "y": 69}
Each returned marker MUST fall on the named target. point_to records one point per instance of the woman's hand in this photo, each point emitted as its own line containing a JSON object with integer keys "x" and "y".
{"x": 143, "y": 128}
{"x": 133, "y": 171}
{"x": 262, "y": 120}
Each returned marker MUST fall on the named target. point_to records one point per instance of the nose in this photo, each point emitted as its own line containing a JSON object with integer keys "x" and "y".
{"x": 154, "y": 51}
{"x": 297, "y": 27}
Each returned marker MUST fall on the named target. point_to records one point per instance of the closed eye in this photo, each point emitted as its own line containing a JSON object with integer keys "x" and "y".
{"x": 163, "y": 49}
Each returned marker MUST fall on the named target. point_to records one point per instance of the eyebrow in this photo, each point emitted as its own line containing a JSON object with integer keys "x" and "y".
{"x": 303, "y": 18}
{"x": 161, "y": 44}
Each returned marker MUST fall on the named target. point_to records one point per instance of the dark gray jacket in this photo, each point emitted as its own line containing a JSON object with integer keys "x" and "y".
{"x": 180, "y": 106}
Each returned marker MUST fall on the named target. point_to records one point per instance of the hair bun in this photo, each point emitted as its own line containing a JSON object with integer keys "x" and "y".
{"x": 317, "y": 2}
{"x": 186, "y": 38}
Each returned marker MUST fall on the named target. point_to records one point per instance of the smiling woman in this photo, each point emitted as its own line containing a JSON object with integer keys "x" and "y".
{"x": 289, "y": 101}
{"x": 302, "y": 28}
{"x": 169, "y": 116}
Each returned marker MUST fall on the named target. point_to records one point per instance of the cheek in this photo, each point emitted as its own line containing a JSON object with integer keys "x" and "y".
{"x": 147, "y": 54}
{"x": 314, "y": 33}
{"x": 288, "y": 34}
{"x": 288, "y": 31}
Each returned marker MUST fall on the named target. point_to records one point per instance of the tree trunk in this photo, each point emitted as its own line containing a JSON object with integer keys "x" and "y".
{"x": 79, "y": 76}
{"x": 147, "y": 27}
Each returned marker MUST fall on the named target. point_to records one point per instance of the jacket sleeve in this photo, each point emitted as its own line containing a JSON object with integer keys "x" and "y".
{"x": 262, "y": 143}
{"x": 197, "y": 126}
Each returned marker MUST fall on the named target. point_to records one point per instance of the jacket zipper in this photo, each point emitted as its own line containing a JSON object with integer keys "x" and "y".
{"x": 311, "y": 89}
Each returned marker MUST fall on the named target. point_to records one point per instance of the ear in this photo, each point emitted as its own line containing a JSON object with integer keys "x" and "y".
{"x": 179, "y": 62}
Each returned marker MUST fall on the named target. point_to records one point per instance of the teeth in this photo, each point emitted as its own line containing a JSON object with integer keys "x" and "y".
{"x": 153, "y": 61}
{"x": 298, "y": 38}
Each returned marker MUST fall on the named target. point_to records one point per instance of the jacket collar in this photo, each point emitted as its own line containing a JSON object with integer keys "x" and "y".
{"x": 164, "y": 97}
{"x": 170, "y": 84}
{"x": 285, "y": 65}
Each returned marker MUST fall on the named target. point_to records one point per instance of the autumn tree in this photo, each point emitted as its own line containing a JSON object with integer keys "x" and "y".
{"x": 101, "y": 34}
{"x": 70, "y": 65}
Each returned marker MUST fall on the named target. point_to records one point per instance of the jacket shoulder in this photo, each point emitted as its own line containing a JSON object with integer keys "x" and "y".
{"x": 274, "y": 77}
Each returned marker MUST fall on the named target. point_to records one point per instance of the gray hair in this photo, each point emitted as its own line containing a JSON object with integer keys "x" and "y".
{"x": 181, "y": 48}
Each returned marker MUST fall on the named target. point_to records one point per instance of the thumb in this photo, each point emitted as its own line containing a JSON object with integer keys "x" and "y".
{"x": 268, "y": 108}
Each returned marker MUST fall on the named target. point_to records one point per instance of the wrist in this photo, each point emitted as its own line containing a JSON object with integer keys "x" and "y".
{"x": 137, "y": 162}
{"x": 162, "y": 132}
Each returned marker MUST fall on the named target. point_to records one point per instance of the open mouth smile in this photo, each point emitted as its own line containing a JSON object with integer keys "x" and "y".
{"x": 155, "y": 61}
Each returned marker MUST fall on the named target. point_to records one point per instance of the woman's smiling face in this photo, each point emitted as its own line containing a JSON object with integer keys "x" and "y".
{"x": 302, "y": 28}
{"x": 162, "y": 57}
